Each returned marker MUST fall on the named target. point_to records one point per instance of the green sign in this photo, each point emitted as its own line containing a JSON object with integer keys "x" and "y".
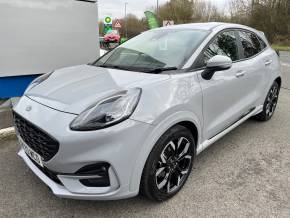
{"x": 107, "y": 28}
{"x": 108, "y": 20}
{"x": 152, "y": 20}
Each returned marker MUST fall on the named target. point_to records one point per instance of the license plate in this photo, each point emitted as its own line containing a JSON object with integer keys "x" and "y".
{"x": 32, "y": 154}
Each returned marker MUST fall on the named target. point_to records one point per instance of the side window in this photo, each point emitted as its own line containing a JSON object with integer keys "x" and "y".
{"x": 250, "y": 43}
{"x": 263, "y": 44}
{"x": 224, "y": 44}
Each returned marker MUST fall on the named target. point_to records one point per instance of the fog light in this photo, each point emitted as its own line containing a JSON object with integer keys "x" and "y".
{"x": 97, "y": 182}
{"x": 100, "y": 170}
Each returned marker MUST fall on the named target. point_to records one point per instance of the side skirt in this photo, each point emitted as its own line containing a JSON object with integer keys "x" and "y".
{"x": 209, "y": 142}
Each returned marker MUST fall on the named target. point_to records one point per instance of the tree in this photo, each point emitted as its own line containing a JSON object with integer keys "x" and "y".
{"x": 189, "y": 11}
{"x": 269, "y": 16}
{"x": 134, "y": 26}
{"x": 178, "y": 10}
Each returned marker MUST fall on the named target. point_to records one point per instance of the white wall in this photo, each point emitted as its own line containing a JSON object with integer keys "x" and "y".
{"x": 38, "y": 36}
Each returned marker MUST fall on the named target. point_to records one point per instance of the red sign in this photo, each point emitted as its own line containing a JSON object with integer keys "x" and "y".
{"x": 117, "y": 24}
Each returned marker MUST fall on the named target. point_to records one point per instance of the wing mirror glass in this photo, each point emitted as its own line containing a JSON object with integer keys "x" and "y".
{"x": 216, "y": 63}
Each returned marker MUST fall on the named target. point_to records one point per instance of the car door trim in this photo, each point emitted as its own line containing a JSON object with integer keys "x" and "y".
{"x": 244, "y": 118}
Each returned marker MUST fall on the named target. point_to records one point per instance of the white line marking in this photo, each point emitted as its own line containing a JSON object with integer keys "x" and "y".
{"x": 7, "y": 132}
{"x": 284, "y": 64}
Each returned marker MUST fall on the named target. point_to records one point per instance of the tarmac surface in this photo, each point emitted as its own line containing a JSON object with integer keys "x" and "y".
{"x": 285, "y": 63}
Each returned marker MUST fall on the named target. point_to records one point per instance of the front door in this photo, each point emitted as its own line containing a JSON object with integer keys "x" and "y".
{"x": 223, "y": 94}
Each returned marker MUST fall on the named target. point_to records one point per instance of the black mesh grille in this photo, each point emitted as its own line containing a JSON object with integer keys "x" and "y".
{"x": 35, "y": 138}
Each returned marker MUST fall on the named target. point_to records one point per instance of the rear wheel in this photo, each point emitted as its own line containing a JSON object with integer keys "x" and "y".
{"x": 270, "y": 103}
{"x": 169, "y": 164}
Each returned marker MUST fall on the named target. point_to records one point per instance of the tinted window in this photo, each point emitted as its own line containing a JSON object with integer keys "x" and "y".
{"x": 224, "y": 44}
{"x": 250, "y": 43}
{"x": 263, "y": 44}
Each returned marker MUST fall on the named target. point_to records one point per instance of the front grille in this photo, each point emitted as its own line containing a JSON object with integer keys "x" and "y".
{"x": 35, "y": 138}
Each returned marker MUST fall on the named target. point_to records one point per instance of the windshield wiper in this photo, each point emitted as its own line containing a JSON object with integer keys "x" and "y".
{"x": 105, "y": 66}
{"x": 116, "y": 67}
{"x": 155, "y": 70}
{"x": 161, "y": 69}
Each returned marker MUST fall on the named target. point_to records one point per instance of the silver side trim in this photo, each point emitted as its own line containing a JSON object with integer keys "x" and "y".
{"x": 209, "y": 142}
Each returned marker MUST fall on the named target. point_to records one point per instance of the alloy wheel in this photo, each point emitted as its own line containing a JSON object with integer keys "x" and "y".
{"x": 272, "y": 101}
{"x": 173, "y": 165}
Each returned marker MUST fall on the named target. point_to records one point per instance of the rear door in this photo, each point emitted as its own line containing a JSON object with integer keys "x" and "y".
{"x": 254, "y": 63}
{"x": 224, "y": 94}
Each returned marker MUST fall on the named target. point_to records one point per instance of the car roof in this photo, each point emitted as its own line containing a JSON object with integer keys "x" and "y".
{"x": 214, "y": 26}
{"x": 199, "y": 26}
{"x": 210, "y": 26}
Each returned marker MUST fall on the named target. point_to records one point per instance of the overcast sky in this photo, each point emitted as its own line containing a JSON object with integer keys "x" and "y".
{"x": 115, "y": 8}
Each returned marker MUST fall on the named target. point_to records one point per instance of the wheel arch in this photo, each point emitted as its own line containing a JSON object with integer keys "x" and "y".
{"x": 192, "y": 128}
{"x": 184, "y": 118}
{"x": 279, "y": 81}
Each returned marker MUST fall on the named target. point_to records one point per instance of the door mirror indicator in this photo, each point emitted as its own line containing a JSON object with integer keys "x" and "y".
{"x": 216, "y": 63}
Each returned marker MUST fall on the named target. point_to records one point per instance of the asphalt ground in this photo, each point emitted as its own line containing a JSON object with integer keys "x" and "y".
{"x": 245, "y": 174}
{"x": 285, "y": 63}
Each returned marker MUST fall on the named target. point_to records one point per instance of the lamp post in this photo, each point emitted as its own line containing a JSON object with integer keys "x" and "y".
{"x": 157, "y": 8}
{"x": 126, "y": 30}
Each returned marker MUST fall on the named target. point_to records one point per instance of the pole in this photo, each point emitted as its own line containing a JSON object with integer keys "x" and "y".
{"x": 126, "y": 30}
{"x": 157, "y": 9}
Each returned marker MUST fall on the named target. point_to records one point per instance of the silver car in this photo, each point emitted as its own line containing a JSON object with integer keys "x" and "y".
{"x": 133, "y": 121}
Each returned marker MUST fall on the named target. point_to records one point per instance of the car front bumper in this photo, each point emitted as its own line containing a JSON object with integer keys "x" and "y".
{"x": 119, "y": 146}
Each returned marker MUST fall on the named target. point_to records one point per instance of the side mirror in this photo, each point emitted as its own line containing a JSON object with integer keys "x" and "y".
{"x": 216, "y": 63}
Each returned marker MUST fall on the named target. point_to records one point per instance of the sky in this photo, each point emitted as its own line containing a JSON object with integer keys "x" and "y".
{"x": 116, "y": 8}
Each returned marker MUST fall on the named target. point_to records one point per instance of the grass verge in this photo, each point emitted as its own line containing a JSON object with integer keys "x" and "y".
{"x": 281, "y": 47}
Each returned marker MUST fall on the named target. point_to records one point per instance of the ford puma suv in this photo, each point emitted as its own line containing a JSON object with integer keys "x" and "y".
{"x": 133, "y": 121}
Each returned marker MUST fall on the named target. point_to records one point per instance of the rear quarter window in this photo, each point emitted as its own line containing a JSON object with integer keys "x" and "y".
{"x": 263, "y": 44}
{"x": 250, "y": 43}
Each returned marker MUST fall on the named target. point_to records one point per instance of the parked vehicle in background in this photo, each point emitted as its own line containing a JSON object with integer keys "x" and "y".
{"x": 106, "y": 45}
{"x": 112, "y": 36}
{"x": 134, "y": 121}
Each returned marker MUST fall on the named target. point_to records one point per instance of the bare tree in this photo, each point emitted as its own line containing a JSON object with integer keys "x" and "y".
{"x": 269, "y": 16}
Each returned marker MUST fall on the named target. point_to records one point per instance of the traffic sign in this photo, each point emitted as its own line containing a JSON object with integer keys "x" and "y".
{"x": 117, "y": 24}
{"x": 108, "y": 20}
{"x": 168, "y": 22}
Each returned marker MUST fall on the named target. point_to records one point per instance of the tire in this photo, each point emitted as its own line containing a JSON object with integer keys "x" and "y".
{"x": 167, "y": 168}
{"x": 270, "y": 103}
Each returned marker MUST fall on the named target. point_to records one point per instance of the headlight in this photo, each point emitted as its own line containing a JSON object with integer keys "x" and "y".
{"x": 108, "y": 112}
{"x": 38, "y": 80}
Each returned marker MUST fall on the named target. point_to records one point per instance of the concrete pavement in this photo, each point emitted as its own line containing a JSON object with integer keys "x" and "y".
{"x": 285, "y": 62}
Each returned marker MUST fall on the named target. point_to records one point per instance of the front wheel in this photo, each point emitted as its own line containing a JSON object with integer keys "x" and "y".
{"x": 270, "y": 103}
{"x": 169, "y": 164}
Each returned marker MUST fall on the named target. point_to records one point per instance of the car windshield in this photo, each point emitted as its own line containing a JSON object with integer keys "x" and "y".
{"x": 113, "y": 32}
{"x": 162, "y": 49}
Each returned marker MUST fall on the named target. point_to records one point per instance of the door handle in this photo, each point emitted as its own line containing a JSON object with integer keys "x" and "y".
{"x": 240, "y": 74}
{"x": 268, "y": 62}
